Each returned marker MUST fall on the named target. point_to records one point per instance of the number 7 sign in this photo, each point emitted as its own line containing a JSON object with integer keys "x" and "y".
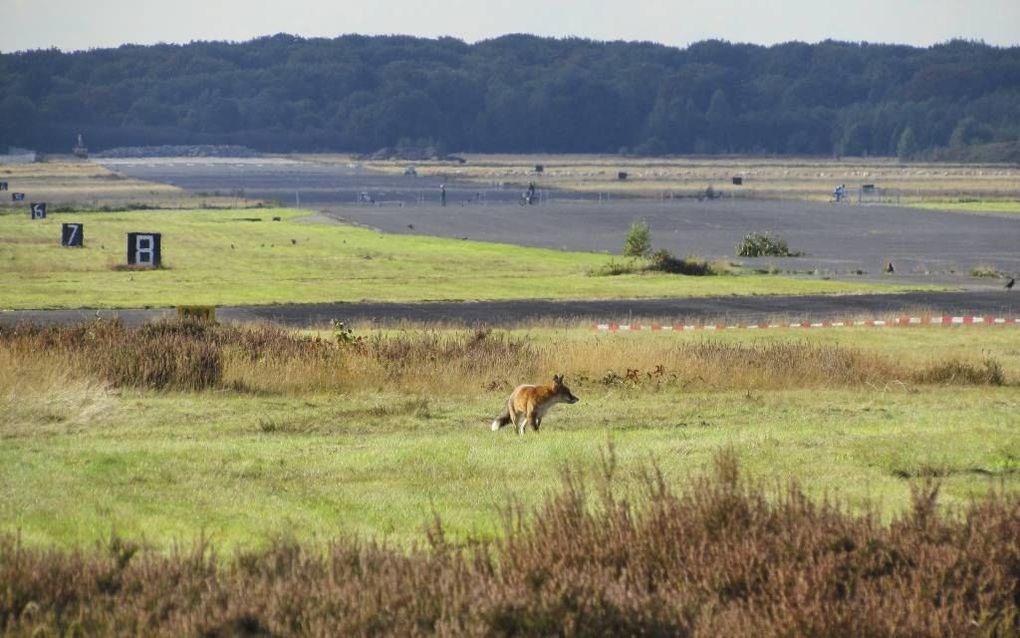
{"x": 72, "y": 235}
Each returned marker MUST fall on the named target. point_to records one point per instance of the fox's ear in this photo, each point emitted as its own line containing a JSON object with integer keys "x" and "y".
{"x": 557, "y": 379}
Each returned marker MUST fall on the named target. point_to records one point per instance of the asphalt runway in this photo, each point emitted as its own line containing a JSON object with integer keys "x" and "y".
{"x": 513, "y": 313}
{"x": 308, "y": 184}
{"x": 839, "y": 240}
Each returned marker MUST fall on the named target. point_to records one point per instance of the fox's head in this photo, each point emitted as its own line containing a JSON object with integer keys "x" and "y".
{"x": 561, "y": 392}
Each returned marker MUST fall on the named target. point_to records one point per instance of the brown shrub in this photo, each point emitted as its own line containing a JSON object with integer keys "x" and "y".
{"x": 192, "y": 355}
{"x": 166, "y": 355}
{"x": 962, "y": 373}
{"x": 172, "y": 356}
{"x": 722, "y": 557}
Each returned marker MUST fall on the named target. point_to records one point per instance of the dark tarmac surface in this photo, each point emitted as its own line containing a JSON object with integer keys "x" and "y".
{"x": 838, "y": 239}
{"x": 306, "y": 184}
{"x": 512, "y": 313}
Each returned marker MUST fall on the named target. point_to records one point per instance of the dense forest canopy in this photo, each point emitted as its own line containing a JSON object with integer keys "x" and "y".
{"x": 517, "y": 93}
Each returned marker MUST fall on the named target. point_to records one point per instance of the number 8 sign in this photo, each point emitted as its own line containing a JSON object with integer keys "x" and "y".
{"x": 143, "y": 249}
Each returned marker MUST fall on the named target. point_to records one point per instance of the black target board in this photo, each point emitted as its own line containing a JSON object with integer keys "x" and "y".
{"x": 143, "y": 249}
{"x": 38, "y": 210}
{"x": 17, "y": 197}
{"x": 3, "y": 186}
{"x": 72, "y": 235}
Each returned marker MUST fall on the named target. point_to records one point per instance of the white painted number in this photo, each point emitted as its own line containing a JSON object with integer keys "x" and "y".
{"x": 74, "y": 233}
{"x": 143, "y": 249}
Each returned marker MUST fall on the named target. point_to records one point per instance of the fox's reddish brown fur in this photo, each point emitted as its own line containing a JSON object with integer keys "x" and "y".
{"x": 529, "y": 403}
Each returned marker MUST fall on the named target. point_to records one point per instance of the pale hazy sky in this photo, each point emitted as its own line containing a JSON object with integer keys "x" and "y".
{"x": 85, "y": 24}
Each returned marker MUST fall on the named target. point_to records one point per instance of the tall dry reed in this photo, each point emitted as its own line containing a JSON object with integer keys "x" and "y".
{"x": 189, "y": 355}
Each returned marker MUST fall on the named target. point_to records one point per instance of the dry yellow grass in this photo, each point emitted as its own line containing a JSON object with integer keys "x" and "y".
{"x": 191, "y": 355}
{"x": 88, "y": 185}
{"x": 796, "y": 178}
{"x": 41, "y": 390}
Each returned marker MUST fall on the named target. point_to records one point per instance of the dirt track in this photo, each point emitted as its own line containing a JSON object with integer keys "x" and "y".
{"x": 510, "y": 313}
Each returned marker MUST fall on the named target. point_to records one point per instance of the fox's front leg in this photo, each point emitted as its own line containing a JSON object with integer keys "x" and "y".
{"x": 536, "y": 422}
{"x": 521, "y": 422}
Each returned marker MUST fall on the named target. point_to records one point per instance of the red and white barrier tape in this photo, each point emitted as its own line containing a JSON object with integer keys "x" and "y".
{"x": 946, "y": 320}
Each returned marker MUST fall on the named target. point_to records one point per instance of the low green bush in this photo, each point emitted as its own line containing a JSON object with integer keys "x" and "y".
{"x": 764, "y": 245}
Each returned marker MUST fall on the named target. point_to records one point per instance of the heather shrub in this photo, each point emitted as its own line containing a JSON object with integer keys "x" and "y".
{"x": 719, "y": 556}
{"x": 664, "y": 261}
{"x": 173, "y": 355}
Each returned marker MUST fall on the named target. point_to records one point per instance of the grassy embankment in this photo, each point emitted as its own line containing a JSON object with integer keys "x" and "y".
{"x": 219, "y": 257}
{"x": 88, "y": 186}
{"x": 772, "y": 178}
{"x": 375, "y": 438}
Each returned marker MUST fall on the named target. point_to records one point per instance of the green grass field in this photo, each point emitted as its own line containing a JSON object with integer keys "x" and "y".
{"x": 215, "y": 257}
{"x": 1012, "y": 207}
{"x": 79, "y": 460}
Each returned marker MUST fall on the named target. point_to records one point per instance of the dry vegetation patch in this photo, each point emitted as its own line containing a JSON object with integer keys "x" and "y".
{"x": 721, "y": 556}
{"x": 78, "y": 186}
{"x": 811, "y": 178}
{"x": 192, "y": 355}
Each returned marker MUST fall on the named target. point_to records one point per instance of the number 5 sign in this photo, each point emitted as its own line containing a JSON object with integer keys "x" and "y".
{"x": 72, "y": 235}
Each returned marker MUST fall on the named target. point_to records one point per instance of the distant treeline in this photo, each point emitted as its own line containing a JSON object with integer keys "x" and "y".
{"x": 519, "y": 93}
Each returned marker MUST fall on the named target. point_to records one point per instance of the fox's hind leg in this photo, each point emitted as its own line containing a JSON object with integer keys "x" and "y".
{"x": 521, "y": 421}
{"x": 531, "y": 419}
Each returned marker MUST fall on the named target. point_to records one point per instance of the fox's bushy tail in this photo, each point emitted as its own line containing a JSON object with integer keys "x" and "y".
{"x": 501, "y": 420}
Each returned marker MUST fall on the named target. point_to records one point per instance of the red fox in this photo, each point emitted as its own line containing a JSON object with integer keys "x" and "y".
{"x": 529, "y": 403}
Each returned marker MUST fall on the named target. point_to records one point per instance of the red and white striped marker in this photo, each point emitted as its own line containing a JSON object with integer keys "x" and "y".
{"x": 945, "y": 320}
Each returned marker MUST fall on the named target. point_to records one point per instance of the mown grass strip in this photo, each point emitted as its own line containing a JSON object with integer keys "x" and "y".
{"x": 243, "y": 257}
